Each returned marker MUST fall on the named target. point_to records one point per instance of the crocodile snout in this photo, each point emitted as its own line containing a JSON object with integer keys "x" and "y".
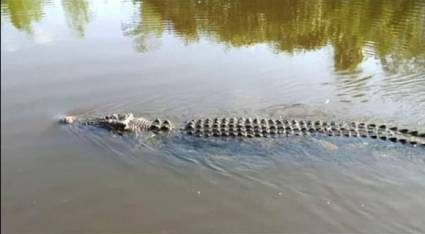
{"x": 67, "y": 120}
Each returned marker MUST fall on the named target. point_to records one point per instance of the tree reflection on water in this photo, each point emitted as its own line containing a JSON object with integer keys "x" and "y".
{"x": 395, "y": 30}
{"x": 392, "y": 31}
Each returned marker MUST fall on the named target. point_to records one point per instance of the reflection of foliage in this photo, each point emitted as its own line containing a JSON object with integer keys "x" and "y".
{"x": 22, "y": 12}
{"x": 77, "y": 15}
{"x": 151, "y": 27}
{"x": 391, "y": 27}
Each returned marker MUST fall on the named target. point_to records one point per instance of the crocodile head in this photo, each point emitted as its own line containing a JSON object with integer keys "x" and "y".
{"x": 125, "y": 122}
{"x": 117, "y": 122}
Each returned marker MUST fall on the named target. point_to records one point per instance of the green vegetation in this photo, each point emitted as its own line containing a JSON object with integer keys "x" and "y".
{"x": 395, "y": 29}
{"x": 77, "y": 15}
{"x": 22, "y": 13}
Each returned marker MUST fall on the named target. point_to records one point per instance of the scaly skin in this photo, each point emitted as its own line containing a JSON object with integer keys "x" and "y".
{"x": 247, "y": 127}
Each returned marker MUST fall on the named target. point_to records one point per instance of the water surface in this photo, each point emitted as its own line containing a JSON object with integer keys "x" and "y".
{"x": 337, "y": 60}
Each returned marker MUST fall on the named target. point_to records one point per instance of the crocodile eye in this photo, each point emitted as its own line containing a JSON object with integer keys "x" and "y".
{"x": 111, "y": 117}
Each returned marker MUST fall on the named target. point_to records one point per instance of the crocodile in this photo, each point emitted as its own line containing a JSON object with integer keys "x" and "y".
{"x": 243, "y": 127}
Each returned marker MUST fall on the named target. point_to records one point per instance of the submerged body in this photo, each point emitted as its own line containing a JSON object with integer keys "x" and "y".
{"x": 249, "y": 128}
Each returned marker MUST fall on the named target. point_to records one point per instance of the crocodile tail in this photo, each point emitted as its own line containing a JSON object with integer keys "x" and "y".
{"x": 247, "y": 127}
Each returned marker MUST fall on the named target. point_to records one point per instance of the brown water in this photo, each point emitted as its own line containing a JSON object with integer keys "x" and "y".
{"x": 327, "y": 59}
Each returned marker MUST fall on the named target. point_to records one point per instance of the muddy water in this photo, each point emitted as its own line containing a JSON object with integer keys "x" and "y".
{"x": 339, "y": 60}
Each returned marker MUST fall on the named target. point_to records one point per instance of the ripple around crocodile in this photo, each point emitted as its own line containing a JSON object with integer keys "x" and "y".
{"x": 254, "y": 127}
